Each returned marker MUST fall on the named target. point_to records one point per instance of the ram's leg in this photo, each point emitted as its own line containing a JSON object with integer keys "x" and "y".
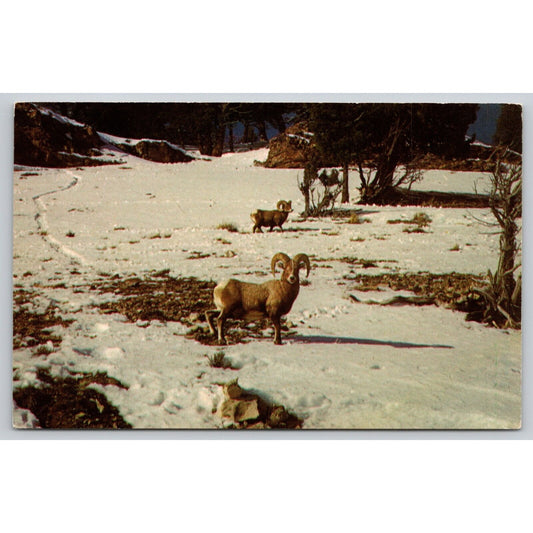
{"x": 209, "y": 317}
{"x": 220, "y": 326}
{"x": 277, "y": 330}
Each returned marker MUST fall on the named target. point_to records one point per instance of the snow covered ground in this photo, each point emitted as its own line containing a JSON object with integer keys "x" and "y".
{"x": 350, "y": 365}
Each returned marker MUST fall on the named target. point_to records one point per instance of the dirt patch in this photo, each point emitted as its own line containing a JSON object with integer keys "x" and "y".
{"x": 364, "y": 263}
{"x": 404, "y": 197}
{"x": 346, "y": 213}
{"x": 70, "y": 403}
{"x": 198, "y": 255}
{"x": 240, "y": 332}
{"x": 420, "y": 219}
{"x": 354, "y": 261}
{"x": 167, "y": 299}
{"x": 158, "y": 297}
{"x": 453, "y": 290}
{"x": 33, "y": 328}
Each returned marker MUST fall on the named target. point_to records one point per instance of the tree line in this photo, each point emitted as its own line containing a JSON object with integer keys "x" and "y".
{"x": 210, "y": 126}
{"x": 375, "y": 138}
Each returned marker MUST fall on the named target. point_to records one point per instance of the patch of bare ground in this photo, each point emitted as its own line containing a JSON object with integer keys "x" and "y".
{"x": 70, "y": 402}
{"x": 364, "y": 263}
{"x": 405, "y": 197}
{"x": 167, "y": 299}
{"x": 347, "y": 213}
{"x": 31, "y": 327}
{"x": 156, "y": 297}
{"x": 199, "y": 255}
{"x": 239, "y": 332}
{"x": 456, "y": 291}
{"x": 354, "y": 261}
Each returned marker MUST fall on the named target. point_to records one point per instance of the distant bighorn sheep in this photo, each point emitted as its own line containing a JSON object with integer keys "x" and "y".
{"x": 270, "y": 219}
{"x": 251, "y": 301}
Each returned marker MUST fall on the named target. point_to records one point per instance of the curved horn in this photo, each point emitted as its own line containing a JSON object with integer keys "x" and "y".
{"x": 282, "y": 205}
{"x": 303, "y": 260}
{"x": 280, "y": 256}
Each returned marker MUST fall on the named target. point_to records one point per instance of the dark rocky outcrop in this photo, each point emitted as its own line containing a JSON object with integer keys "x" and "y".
{"x": 247, "y": 410}
{"x": 290, "y": 149}
{"x": 293, "y": 148}
{"x": 43, "y": 140}
{"x": 158, "y": 151}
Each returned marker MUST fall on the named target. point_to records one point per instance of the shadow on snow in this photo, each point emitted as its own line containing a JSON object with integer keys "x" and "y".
{"x": 323, "y": 339}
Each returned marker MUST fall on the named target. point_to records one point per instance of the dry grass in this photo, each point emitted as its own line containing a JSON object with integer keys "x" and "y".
{"x": 228, "y": 226}
{"x": 356, "y": 218}
{"x": 420, "y": 219}
{"x": 44, "y": 349}
{"x": 218, "y": 360}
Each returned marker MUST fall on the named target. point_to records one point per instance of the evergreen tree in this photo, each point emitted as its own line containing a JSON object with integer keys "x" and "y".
{"x": 207, "y": 125}
{"x": 509, "y": 128}
{"x": 401, "y": 133}
{"x": 386, "y": 135}
{"x": 338, "y": 135}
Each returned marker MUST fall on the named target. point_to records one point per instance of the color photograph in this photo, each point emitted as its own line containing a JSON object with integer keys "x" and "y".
{"x": 267, "y": 266}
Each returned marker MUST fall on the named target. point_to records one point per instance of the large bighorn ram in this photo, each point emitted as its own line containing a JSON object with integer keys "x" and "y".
{"x": 251, "y": 301}
{"x": 260, "y": 217}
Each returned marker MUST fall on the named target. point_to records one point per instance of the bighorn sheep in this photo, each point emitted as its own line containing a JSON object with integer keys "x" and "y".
{"x": 270, "y": 219}
{"x": 251, "y": 301}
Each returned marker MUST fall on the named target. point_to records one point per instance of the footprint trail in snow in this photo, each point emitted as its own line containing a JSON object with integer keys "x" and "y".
{"x": 42, "y": 223}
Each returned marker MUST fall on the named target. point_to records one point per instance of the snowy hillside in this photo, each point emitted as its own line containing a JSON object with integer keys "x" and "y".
{"x": 344, "y": 364}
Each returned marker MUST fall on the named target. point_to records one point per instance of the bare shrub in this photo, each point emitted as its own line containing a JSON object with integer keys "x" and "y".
{"x": 228, "y": 226}
{"x": 218, "y": 360}
{"x": 421, "y": 219}
{"x": 502, "y": 299}
{"x": 320, "y": 191}
{"x": 356, "y": 218}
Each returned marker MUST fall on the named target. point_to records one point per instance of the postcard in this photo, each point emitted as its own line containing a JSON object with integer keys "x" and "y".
{"x": 267, "y": 265}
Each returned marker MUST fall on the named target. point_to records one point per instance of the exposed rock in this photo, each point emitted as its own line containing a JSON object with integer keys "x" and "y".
{"x": 43, "y": 139}
{"x": 240, "y": 410}
{"x": 293, "y": 148}
{"x": 46, "y": 139}
{"x": 233, "y": 390}
{"x": 158, "y": 151}
{"x": 290, "y": 149}
{"x": 278, "y": 416}
{"x": 238, "y": 405}
{"x": 248, "y": 410}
